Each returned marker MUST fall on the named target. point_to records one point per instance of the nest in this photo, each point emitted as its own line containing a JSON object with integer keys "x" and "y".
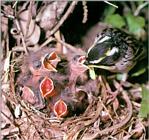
{"x": 112, "y": 107}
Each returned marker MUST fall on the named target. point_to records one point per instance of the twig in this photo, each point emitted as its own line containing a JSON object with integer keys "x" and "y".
{"x": 15, "y": 4}
{"x": 50, "y": 39}
{"x": 9, "y": 98}
{"x": 139, "y": 8}
{"x": 23, "y": 7}
{"x": 107, "y": 111}
{"x": 6, "y": 67}
{"x": 8, "y": 118}
{"x": 85, "y": 14}
{"x": 99, "y": 109}
{"x": 29, "y": 18}
{"x": 7, "y": 44}
{"x": 68, "y": 12}
{"x": 22, "y": 37}
{"x": 18, "y": 49}
{"x": 125, "y": 5}
{"x": 117, "y": 126}
{"x": 35, "y": 125}
{"x": 110, "y": 4}
{"x": 7, "y": 15}
{"x": 132, "y": 6}
{"x": 67, "y": 45}
{"x": 8, "y": 11}
{"x": 82, "y": 124}
{"x": 136, "y": 104}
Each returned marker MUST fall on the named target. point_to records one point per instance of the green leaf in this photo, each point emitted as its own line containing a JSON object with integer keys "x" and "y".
{"x": 115, "y": 20}
{"x": 144, "y": 110}
{"x": 121, "y": 76}
{"x": 109, "y": 11}
{"x": 135, "y": 23}
{"x": 139, "y": 72}
{"x": 92, "y": 73}
{"x": 140, "y": 2}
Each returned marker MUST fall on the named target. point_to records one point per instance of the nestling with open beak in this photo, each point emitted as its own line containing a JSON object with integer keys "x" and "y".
{"x": 35, "y": 67}
{"x": 76, "y": 67}
{"x": 70, "y": 103}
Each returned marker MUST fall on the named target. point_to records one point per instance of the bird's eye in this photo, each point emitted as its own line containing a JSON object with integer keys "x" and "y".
{"x": 97, "y": 35}
{"x": 97, "y": 38}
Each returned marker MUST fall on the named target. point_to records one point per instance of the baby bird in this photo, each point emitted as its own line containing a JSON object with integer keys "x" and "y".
{"x": 32, "y": 73}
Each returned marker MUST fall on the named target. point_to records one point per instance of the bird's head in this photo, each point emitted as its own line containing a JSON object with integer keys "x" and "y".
{"x": 105, "y": 50}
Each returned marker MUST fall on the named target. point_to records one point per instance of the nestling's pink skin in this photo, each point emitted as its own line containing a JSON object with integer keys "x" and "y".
{"x": 76, "y": 69}
{"x": 33, "y": 61}
{"x": 31, "y": 73}
{"x": 32, "y": 97}
{"x": 28, "y": 95}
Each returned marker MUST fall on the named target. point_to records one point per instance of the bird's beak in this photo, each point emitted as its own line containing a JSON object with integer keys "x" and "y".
{"x": 86, "y": 62}
{"x": 82, "y": 60}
